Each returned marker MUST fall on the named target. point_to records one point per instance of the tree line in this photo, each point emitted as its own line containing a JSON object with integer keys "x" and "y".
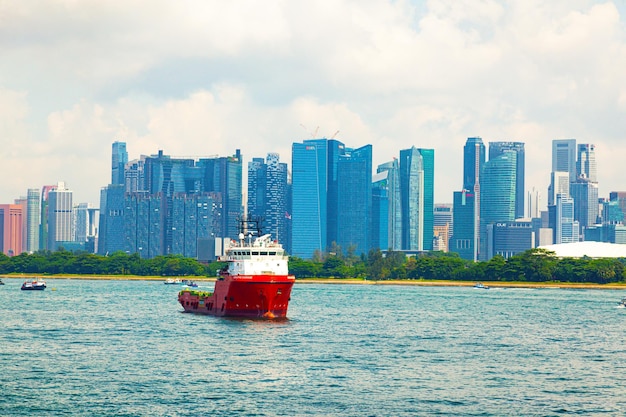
{"x": 535, "y": 265}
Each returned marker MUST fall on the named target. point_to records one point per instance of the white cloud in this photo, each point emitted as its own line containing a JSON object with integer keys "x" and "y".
{"x": 208, "y": 77}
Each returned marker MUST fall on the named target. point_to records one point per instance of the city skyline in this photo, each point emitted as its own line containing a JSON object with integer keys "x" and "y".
{"x": 205, "y": 78}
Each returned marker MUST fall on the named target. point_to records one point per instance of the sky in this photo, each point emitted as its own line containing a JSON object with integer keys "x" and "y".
{"x": 204, "y": 78}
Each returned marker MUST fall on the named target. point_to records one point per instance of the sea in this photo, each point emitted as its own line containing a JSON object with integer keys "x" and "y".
{"x": 125, "y": 348}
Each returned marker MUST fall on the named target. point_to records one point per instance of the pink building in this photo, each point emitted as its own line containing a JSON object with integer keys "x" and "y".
{"x": 11, "y": 225}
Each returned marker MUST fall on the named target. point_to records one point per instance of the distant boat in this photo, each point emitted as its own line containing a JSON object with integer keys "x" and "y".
{"x": 190, "y": 283}
{"x": 34, "y": 285}
{"x": 480, "y": 286}
{"x": 1, "y": 283}
{"x": 622, "y": 304}
{"x": 171, "y": 281}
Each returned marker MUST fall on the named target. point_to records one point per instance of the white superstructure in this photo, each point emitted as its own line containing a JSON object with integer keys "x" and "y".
{"x": 258, "y": 256}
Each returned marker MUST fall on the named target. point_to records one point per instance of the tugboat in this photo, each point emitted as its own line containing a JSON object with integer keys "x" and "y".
{"x": 254, "y": 283}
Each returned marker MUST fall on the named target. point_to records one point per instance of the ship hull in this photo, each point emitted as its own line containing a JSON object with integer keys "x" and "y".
{"x": 248, "y": 296}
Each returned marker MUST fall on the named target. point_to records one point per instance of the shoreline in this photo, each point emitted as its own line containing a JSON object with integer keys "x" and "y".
{"x": 346, "y": 281}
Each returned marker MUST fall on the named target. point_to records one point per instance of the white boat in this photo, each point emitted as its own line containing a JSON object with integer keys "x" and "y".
{"x": 171, "y": 281}
{"x": 622, "y": 304}
{"x": 480, "y": 286}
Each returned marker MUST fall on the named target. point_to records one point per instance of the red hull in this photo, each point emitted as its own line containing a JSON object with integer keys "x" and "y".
{"x": 258, "y": 296}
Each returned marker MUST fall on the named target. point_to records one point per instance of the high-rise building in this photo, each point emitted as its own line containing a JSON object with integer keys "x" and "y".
{"x": 380, "y": 211}
{"x": 586, "y": 206}
{"x": 564, "y": 157}
{"x": 268, "y": 196}
{"x": 111, "y": 231}
{"x": 443, "y": 226}
{"x": 509, "y": 238}
{"x": 119, "y": 158}
{"x": 464, "y": 239}
{"x": 11, "y": 225}
{"x": 23, "y": 202}
{"x": 473, "y": 161}
{"x": 586, "y": 163}
{"x": 33, "y": 215}
{"x": 559, "y": 184}
{"x": 497, "y": 194}
{"x": 417, "y": 197}
{"x": 60, "y": 217}
{"x": 394, "y": 208}
{"x": 43, "y": 225}
{"x": 354, "y": 186}
{"x": 498, "y": 148}
{"x": 314, "y": 195}
{"x": 566, "y": 228}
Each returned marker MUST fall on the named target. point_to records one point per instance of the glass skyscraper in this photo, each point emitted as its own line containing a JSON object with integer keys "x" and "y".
{"x": 119, "y": 158}
{"x": 498, "y": 148}
{"x": 586, "y": 164}
{"x": 268, "y": 196}
{"x": 33, "y": 215}
{"x": 464, "y": 237}
{"x": 354, "y": 185}
{"x": 416, "y": 190}
{"x": 497, "y": 194}
{"x": 394, "y": 220}
{"x": 60, "y": 217}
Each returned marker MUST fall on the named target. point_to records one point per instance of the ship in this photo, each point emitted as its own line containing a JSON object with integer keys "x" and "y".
{"x": 254, "y": 282}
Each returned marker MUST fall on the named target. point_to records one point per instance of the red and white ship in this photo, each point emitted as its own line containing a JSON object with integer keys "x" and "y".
{"x": 254, "y": 283}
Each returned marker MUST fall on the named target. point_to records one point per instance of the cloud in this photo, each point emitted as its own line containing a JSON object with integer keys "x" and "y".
{"x": 209, "y": 77}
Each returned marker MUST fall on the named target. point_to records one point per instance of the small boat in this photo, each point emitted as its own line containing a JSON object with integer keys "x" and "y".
{"x": 33, "y": 285}
{"x": 190, "y": 283}
{"x": 172, "y": 281}
{"x": 622, "y": 304}
{"x": 1, "y": 282}
{"x": 480, "y": 286}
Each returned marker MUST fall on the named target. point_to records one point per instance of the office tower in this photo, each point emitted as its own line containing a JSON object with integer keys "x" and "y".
{"x": 119, "y": 158}
{"x": 43, "y": 225}
{"x": 464, "y": 240}
{"x": 86, "y": 226}
{"x": 417, "y": 197}
{"x": 354, "y": 186}
{"x": 559, "y": 184}
{"x": 442, "y": 226}
{"x": 268, "y": 196}
{"x": 134, "y": 175}
{"x": 142, "y": 223}
{"x": 566, "y": 228}
{"x": 534, "y": 204}
{"x": 60, "y": 217}
{"x": 394, "y": 209}
{"x": 498, "y": 148}
{"x": 586, "y": 163}
{"x": 192, "y": 223}
{"x": 23, "y": 202}
{"x": 33, "y": 214}
{"x": 257, "y": 184}
{"x": 428, "y": 158}
{"x": 380, "y": 211}
{"x": 111, "y": 230}
{"x": 224, "y": 175}
{"x": 509, "y": 238}
{"x": 11, "y": 225}
{"x": 473, "y": 162}
{"x": 564, "y": 157}
{"x": 497, "y": 194}
{"x": 586, "y": 207}
{"x": 314, "y": 195}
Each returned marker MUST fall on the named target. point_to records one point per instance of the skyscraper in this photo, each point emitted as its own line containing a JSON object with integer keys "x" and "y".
{"x": 315, "y": 202}
{"x": 354, "y": 186}
{"x": 428, "y": 157}
{"x": 564, "y": 157}
{"x": 268, "y": 196}
{"x": 567, "y": 229}
{"x": 412, "y": 198}
{"x": 497, "y": 194}
{"x": 586, "y": 206}
{"x": 33, "y": 215}
{"x": 119, "y": 158}
{"x": 586, "y": 163}
{"x": 498, "y": 148}
{"x": 394, "y": 209}
{"x": 380, "y": 211}
{"x": 60, "y": 217}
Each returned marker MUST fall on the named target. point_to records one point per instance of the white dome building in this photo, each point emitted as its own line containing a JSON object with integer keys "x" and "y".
{"x": 589, "y": 249}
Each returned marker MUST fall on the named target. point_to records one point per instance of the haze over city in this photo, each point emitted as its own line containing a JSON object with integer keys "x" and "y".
{"x": 205, "y": 78}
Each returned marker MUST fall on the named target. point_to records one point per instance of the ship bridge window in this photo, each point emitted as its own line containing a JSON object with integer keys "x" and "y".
{"x": 272, "y": 253}
{"x": 255, "y": 253}
{"x": 264, "y": 253}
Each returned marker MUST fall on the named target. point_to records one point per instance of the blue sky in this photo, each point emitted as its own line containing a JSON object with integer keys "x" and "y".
{"x": 199, "y": 78}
